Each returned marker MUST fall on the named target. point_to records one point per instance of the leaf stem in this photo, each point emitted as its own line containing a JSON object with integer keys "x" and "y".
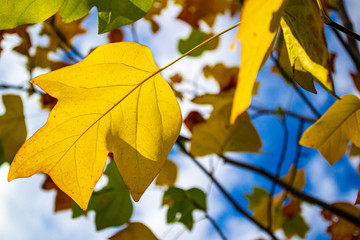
{"x": 332, "y": 24}
{"x": 199, "y": 45}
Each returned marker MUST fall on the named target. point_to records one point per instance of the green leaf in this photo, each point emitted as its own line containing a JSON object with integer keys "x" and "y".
{"x": 73, "y": 10}
{"x": 303, "y": 31}
{"x": 12, "y": 127}
{"x": 112, "y": 204}
{"x": 332, "y": 132}
{"x": 16, "y": 13}
{"x": 216, "y": 135}
{"x": 256, "y": 197}
{"x": 115, "y": 13}
{"x": 196, "y": 37}
{"x": 295, "y": 226}
{"x": 182, "y": 203}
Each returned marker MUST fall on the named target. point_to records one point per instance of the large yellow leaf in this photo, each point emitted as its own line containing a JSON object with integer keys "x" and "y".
{"x": 304, "y": 35}
{"x": 259, "y": 23}
{"x": 332, "y": 132}
{"x": 113, "y": 101}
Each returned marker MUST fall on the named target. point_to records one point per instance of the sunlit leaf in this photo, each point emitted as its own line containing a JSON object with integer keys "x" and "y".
{"x": 134, "y": 231}
{"x": 216, "y": 135}
{"x": 304, "y": 35}
{"x": 259, "y": 23}
{"x": 332, "y": 132}
{"x": 112, "y": 101}
{"x": 12, "y": 127}
{"x": 73, "y": 10}
{"x": 16, "y": 13}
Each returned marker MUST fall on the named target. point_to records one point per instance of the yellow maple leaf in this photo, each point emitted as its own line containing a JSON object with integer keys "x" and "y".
{"x": 113, "y": 101}
{"x": 332, "y": 132}
{"x": 259, "y": 23}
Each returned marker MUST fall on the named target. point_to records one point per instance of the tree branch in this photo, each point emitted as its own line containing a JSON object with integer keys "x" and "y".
{"x": 278, "y": 170}
{"x": 339, "y": 212}
{"x": 217, "y": 228}
{"x": 223, "y": 191}
{"x": 283, "y": 112}
{"x": 290, "y": 79}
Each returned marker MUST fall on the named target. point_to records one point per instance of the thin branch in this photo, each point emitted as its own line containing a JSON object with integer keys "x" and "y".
{"x": 224, "y": 192}
{"x": 296, "y": 159}
{"x": 290, "y": 79}
{"x": 21, "y": 88}
{"x": 278, "y": 170}
{"x": 337, "y": 211}
{"x": 283, "y": 112}
{"x": 332, "y": 24}
{"x": 348, "y": 49}
{"x": 217, "y": 228}
{"x": 65, "y": 41}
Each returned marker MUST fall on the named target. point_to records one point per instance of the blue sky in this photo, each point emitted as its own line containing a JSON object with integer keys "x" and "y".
{"x": 26, "y": 212}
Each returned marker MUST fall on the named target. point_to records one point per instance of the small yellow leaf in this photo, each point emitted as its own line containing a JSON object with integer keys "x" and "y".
{"x": 134, "y": 231}
{"x": 259, "y": 23}
{"x": 332, "y": 132}
{"x": 304, "y": 35}
{"x": 167, "y": 175}
{"x": 12, "y": 126}
{"x": 113, "y": 101}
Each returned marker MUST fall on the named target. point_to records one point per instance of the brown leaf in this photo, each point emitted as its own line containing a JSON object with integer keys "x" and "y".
{"x": 192, "y": 119}
{"x": 156, "y": 10}
{"x": 225, "y": 76}
{"x": 177, "y": 78}
{"x": 47, "y": 101}
{"x": 116, "y": 35}
{"x": 62, "y": 201}
{"x": 357, "y": 201}
{"x": 356, "y": 80}
{"x": 194, "y": 11}
{"x": 339, "y": 228}
{"x": 292, "y": 209}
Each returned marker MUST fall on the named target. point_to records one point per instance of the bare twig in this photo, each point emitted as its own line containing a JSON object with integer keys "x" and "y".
{"x": 337, "y": 211}
{"x": 215, "y": 225}
{"x": 296, "y": 88}
{"x": 283, "y": 112}
{"x": 223, "y": 191}
{"x": 278, "y": 170}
